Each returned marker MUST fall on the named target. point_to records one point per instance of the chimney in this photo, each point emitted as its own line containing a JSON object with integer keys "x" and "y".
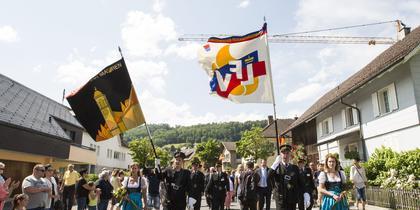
{"x": 296, "y": 117}
{"x": 270, "y": 119}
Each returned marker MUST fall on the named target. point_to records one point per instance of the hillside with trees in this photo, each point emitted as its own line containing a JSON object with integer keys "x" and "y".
{"x": 164, "y": 134}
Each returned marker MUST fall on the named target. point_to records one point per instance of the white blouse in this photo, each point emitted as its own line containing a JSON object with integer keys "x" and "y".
{"x": 322, "y": 178}
{"x": 130, "y": 183}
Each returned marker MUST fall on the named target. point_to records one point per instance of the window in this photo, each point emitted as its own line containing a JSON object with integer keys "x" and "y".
{"x": 109, "y": 153}
{"x": 97, "y": 150}
{"x": 72, "y": 135}
{"x": 325, "y": 127}
{"x": 117, "y": 155}
{"x": 349, "y": 116}
{"x": 385, "y": 100}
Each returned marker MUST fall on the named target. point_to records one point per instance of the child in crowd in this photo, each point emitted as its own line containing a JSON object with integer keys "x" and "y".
{"x": 93, "y": 196}
{"x": 20, "y": 201}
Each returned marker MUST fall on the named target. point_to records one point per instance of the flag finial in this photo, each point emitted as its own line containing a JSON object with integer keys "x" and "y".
{"x": 119, "y": 49}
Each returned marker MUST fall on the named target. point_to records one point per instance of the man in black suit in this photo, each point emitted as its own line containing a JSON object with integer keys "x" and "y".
{"x": 307, "y": 177}
{"x": 288, "y": 184}
{"x": 197, "y": 183}
{"x": 217, "y": 187}
{"x": 264, "y": 186}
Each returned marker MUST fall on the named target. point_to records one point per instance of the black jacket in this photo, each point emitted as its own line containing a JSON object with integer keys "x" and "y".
{"x": 307, "y": 177}
{"x": 197, "y": 184}
{"x": 288, "y": 184}
{"x": 218, "y": 184}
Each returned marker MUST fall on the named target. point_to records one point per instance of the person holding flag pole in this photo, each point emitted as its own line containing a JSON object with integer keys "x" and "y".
{"x": 239, "y": 69}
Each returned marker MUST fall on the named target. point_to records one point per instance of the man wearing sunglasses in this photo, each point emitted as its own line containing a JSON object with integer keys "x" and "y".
{"x": 36, "y": 189}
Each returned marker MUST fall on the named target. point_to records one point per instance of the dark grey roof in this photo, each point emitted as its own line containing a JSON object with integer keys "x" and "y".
{"x": 231, "y": 146}
{"x": 282, "y": 124}
{"x": 381, "y": 63}
{"x": 26, "y": 108}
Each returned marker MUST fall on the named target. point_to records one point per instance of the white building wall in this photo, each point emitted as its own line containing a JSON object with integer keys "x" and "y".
{"x": 401, "y": 140}
{"x": 105, "y": 159}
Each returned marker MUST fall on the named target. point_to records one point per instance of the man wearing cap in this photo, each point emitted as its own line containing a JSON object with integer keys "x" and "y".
{"x": 306, "y": 175}
{"x": 288, "y": 185}
{"x": 217, "y": 187}
{"x": 197, "y": 183}
{"x": 177, "y": 184}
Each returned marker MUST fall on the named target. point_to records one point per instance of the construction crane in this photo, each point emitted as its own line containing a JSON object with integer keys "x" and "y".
{"x": 402, "y": 30}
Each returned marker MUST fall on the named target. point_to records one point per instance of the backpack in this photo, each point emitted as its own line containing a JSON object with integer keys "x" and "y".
{"x": 248, "y": 187}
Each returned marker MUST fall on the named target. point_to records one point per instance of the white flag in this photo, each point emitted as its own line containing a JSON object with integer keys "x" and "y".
{"x": 239, "y": 67}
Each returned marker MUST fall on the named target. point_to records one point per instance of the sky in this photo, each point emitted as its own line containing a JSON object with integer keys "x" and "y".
{"x": 51, "y": 45}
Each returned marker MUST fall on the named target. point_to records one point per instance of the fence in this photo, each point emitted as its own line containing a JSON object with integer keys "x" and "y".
{"x": 393, "y": 198}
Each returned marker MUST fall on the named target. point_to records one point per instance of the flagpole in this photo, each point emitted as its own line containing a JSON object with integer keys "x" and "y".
{"x": 272, "y": 90}
{"x": 147, "y": 127}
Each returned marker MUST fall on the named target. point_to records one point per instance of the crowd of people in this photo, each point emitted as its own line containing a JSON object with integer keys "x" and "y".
{"x": 176, "y": 188}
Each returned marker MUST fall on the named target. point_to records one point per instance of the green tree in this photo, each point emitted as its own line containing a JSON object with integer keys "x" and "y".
{"x": 142, "y": 153}
{"x": 254, "y": 145}
{"x": 209, "y": 151}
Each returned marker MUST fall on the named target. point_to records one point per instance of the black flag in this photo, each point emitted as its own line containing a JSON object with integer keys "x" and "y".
{"x": 107, "y": 105}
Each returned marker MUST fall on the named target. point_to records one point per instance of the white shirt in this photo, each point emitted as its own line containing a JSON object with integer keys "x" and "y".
{"x": 130, "y": 183}
{"x": 322, "y": 178}
{"x": 50, "y": 183}
{"x": 263, "y": 180}
{"x": 358, "y": 176}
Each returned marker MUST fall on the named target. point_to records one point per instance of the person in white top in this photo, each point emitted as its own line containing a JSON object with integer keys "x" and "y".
{"x": 359, "y": 180}
{"x": 52, "y": 184}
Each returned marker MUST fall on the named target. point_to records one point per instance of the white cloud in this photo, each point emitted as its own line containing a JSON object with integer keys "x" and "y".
{"x": 8, "y": 34}
{"x": 244, "y": 4}
{"x": 144, "y": 34}
{"x": 187, "y": 51}
{"x": 75, "y": 72}
{"x": 158, "y": 110}
{"x": 309, "y": 91}
{"x": 152, "y": 73}
{"x": 37, "y": 69}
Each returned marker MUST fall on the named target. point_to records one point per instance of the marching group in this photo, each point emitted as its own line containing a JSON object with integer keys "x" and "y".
{"x": 176, "y": 188}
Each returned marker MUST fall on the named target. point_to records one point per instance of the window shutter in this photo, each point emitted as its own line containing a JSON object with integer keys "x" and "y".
{"x": 355, "y": 116}
{"x": 330, "y": 125}
{"x": 375, "y": 104}
{"x": 320, "y": 129}
{"x": 343, "y": 118}
{"x": 392, "y": 97}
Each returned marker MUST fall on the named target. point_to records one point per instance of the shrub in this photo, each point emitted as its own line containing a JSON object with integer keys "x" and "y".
{"x": 389, "y": 169}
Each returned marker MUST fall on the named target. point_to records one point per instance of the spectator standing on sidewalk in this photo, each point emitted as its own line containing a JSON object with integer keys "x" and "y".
{"x": 36, "y": 189}
{"x": 6, "y": 184}
{"x": 68, "y": 186}
{"x": 82, "y": 190}
{"x": 359, "y": 180}
{"x": 106, "y": 189}
{"x": 51, "y": 182}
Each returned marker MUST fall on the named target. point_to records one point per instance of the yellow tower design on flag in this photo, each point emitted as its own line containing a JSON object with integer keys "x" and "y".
{"x": 107, "y": 112}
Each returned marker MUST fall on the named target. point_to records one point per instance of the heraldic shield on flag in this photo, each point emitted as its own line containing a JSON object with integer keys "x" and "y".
{"x": 107, "y": 105}
{"x": 239, "y": 67}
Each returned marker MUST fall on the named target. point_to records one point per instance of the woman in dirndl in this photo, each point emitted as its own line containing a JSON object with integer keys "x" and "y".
{"x": 331, "y": 185}
{"x": 136, "y": 188}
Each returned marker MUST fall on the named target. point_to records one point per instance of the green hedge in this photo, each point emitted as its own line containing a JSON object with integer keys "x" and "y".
{"x": 389, "y": 169}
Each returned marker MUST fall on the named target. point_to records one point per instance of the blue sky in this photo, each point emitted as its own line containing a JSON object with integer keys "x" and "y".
{"x": 54, "y": 45}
